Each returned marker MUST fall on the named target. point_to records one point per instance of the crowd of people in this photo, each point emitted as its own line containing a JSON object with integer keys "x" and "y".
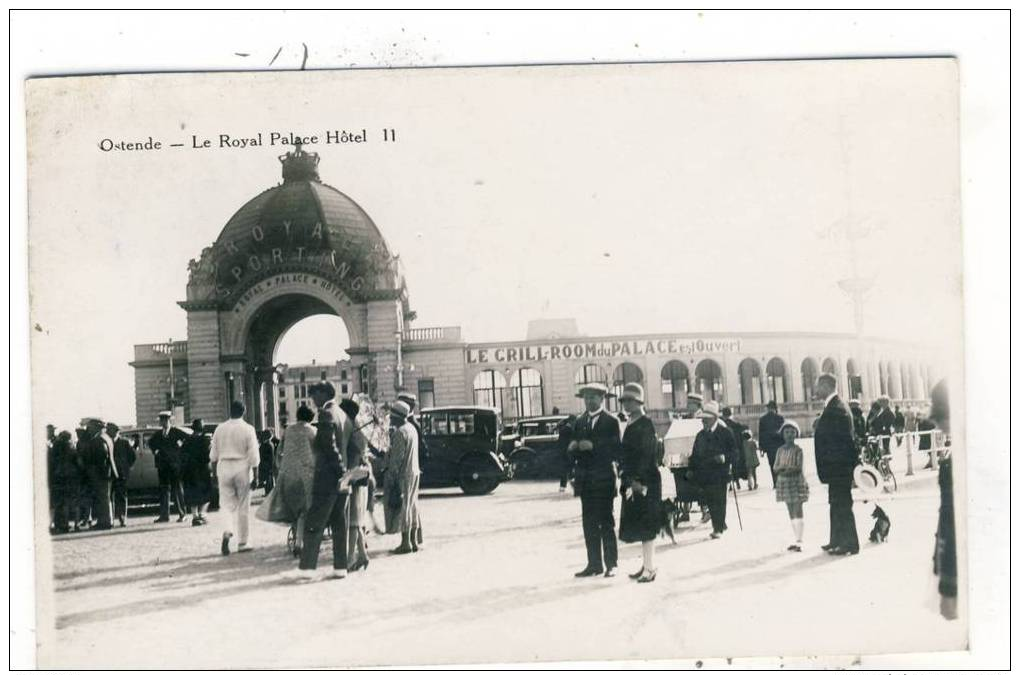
{"x": 601, "y": 447}
{"x": 319, "y": 478}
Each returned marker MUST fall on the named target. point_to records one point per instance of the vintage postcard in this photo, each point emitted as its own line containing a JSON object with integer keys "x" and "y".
{"x": 636, "y": 362}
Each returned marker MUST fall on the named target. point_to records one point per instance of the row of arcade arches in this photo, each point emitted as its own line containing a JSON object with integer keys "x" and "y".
{"x": 523, "y": 394}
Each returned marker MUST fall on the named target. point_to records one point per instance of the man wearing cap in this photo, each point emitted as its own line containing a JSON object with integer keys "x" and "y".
{"x": 769, "y": 435}
{"x": 595, "y": 451}
{"x": 835, "y": 458}
{"x": 167, "y": 444}
{"x": 402, "y": 478}
{"x": 860, "y": 425}
{"x": 712, "y": 460}
{"x": 329, "y": 504}
{"x": 124, "y": 457}
{"x": 100, "y": 470}
{"x": 423, "y": 449}
{"x": 234, "y": 453}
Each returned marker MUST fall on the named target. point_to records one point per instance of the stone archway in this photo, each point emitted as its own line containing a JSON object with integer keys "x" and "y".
{"x": 296, "y": 250}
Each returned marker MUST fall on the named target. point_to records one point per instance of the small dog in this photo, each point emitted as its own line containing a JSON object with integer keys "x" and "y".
{"x": 880, "y": 532}
{"x": 669, "y": 514}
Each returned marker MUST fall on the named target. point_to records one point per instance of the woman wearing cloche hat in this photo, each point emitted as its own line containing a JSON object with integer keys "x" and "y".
{"x": 640, "y": 481}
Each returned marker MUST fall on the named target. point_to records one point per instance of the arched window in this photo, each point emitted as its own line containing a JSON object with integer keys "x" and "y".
{"x": 853, "y": 379}
{"x": 590, "y": 372}
{"x": 489, "y": 388}
{"x": 808, "y": 377}
{"x": 676, "y": 382}
{"x": 708, "y": 380}
{"x": 829, "y": 366}
{"x": 623, "y": 374}
{"x": 775, "y": 377}
{"x": 906, "y": 385}
{"x": 526, "y": 393}
{"x": 586, "y": 374}
{"x": 750, "y": 382}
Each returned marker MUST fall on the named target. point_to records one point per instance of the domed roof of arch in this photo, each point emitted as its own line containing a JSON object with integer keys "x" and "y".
{"x": 299, "y": 226}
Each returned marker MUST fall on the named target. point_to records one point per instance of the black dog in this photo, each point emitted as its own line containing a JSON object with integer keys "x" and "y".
{"x": 668, "y": 516}
{"x": 880, "y": 532}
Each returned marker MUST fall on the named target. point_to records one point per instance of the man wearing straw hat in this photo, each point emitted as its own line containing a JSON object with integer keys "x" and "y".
{"x": 712, "y": 459}
{"x": 594, "y": 451}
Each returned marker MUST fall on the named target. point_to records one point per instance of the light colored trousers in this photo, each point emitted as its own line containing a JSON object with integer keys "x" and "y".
{"x": 234, "y": 477}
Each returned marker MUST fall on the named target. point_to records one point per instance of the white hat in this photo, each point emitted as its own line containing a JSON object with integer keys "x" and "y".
{"x": 400, "y": 409}
{"x": 790, "y": 423}
{"x": 711, "y": 408}
{"x": 165, "y": 413}
{"x": 868, "y": 479}
{"x": 633, "y": 391}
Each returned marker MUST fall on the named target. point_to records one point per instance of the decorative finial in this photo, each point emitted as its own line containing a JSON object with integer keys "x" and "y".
{"x": 300, "y": 165}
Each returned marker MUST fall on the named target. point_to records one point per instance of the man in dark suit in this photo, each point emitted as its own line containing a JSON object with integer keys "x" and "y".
{"x": 712, "y": 460}
{"x": 100, "y": 470}
{"x": 881, "y": 424}
{"x": 124, "y": 457}
{"x": 769, "y": 436}
{"x": 167, "y": 445}
{"x": 860, "y": 425}
{"x": 594, "y": 450}
{"x": 737, "y": 429}
{"x": 328, "y": 504}
{"x": 835, "y": 458}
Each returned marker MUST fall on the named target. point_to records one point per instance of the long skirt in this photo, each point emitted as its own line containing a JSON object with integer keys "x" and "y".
{"x": 402, "y": 514}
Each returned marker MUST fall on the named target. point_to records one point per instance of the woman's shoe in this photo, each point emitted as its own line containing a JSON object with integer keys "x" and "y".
{"x": 647, "y": 577}
{"x": 637, "y": 574}
{"x": 794, "y": 547}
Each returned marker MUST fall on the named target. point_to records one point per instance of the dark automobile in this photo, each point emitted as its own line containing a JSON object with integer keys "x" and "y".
{"x": 463, "y": 449}
{"x": 538, "y": 453}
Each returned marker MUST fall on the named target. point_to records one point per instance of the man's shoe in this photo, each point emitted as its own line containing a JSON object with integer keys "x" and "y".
{"x": 828, "y": 547}
{"x": 715, "y": 535}
{"x": 225, "y": 543}
{"x": 339, "y": 574}
{"x": 161, "y": 519}
{"x": 401, "y": 550}
{"x": 610, "y": 572}
{"x": 843, "y": 551}
{"x": 196, "y": 521}
{"x": 588, "y": 572}
{"x": 302, "y": 576}
{"x": 244, "y": 548}
{"x": 706, "y": 516}
{"x": 685, "y": 518}
{"x": 180, "y": 518}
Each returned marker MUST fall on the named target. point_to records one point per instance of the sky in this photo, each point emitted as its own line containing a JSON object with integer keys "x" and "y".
{"x": 633, "y": 198}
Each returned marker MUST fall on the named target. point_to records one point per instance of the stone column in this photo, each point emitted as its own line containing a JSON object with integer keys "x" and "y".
{"x": 897, "y": 381}
{"x": 731, "y": 378}
{"x": 384, "y": 322}
{"x": 206, "y": 394}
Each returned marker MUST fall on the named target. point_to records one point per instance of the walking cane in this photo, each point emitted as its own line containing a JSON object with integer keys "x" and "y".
{"x": 736, "y": 503}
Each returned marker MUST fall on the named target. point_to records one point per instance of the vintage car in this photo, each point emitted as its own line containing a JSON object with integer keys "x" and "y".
{"x": 537, "y": 452}
{"x": 143, "y": 481}
{"x": 463, "y": 449}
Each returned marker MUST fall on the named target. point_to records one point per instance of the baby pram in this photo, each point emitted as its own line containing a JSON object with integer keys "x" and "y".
{"x": 292, "y": 538}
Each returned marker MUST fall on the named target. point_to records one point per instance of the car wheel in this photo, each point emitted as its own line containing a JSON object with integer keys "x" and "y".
{"x": 476, "y": 478}
{"x": 523, "y": 465}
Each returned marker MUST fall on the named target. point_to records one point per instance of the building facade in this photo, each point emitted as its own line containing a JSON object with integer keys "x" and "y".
{"x": 303, "y": 248}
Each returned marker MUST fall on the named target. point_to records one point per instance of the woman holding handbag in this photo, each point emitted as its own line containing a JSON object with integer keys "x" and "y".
{"x": 640, "y": 480}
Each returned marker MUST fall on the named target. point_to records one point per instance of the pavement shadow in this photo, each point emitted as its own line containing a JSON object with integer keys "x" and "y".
{"x": 64, "y": 576}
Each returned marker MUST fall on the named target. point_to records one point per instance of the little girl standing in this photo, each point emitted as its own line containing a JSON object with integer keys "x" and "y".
{"x": 791, "y": 487}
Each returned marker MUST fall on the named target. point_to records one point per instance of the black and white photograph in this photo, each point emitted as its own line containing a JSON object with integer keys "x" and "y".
{"x": 609, "y": 362}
